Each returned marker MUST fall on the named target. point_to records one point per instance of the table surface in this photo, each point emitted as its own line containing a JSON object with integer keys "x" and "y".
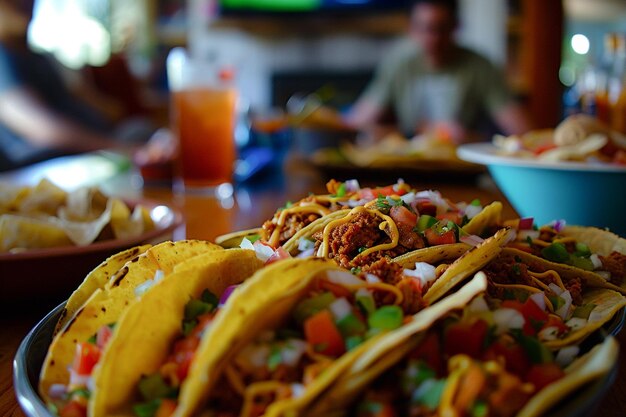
{"x": 207, "y": 218}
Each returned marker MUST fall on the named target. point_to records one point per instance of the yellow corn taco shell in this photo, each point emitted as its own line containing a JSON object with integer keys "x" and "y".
{"x": 599, "y": 241}
{"x": 143, "y": 335}
{"x": 233, "y": 240}
{"x": 106, "y": 305}
{"x": 489, "y": 216}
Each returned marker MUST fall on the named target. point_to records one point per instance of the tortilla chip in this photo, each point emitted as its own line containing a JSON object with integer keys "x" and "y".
{"x": 44, "y": 198}
{"x": 19, "y": 232}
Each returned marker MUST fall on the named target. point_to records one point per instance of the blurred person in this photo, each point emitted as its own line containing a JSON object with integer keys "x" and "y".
{"x": 432, "y": 84}
{"x": 39, "y": 116}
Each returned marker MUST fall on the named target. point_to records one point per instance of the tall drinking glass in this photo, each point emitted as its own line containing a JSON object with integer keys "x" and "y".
{"x": 203, "y": 107}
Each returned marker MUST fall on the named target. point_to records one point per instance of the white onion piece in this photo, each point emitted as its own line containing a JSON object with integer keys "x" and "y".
{"x": 539, "y": 299}
{"x": 576, "y": 323}
{"x": 305, "y": 244}
{"x": 340, "y": 308}
{"x": 342, "y": 277}
{"x": 595, "y": 260}
{"x": 292, "y": 352}
{"x": 246, "y": 244}
{"x": 356, "y": 203}
{"x": 263, "y": 252}
{"x": 423, "y": 271}
{"x": 472, "y": 240}
{"x": 352, "y": 185}
{"x": 566, "y": 355}
{"x": 57, "y": 391}
{"x": 604, "y": 274}
{"x": 563, "y": 311}
{"x": 478, "y": 305}
{"x": 297, "y": 390}
{"x": 507, "y": 318}
{"x": 523, "y": 235}
{"x": 371, "y": 278}
{"x": 471, "y": 211}
{"x": 555, "y": 288}
{"x": 408, "y": 198}
{"x": 306, "y": 254}
{"x": 91, "y": 384}
{"x": 78, "y": 380}
{"x": 548, "y": 333}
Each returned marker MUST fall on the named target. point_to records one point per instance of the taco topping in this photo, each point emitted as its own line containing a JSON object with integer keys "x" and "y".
{"x": 160, "y": 390}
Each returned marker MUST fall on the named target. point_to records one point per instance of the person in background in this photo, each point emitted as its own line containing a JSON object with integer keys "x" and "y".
{"x": 432, "y": 84}
{"x": 39, "y": 117}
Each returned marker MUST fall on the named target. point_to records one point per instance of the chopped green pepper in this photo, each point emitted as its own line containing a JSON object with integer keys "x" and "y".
{"x": 153, "y": 387}
{"x": 425, "y": 222}
{"x": 386, "y": 318}
{"x": 353, "y": 341}
{"x": 350, "y": 325}
{"x": 341, "y": 190}
{"x": 556, "y": 252}
{"x": 430, "y": 393}
{"x": 479, "y": 409}
{"x": 275, "y": 358}
{"x": 536, "y": 351}
{"x": 582, "y": 263}
{"x": 310, "y": 306}
{"x": 584, "y": 311}
{"x": 147, "y": 409}
{"x": 582, "y": 250}
{"x": 366, "y": 304}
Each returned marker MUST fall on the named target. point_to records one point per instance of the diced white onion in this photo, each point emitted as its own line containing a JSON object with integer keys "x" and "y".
{"x": 352, "y": 185}
{"x": 306, "y": 254}
{"x": 340, "y": 308}
{"x": 297, "y": 390}
{"x": 246, "y": 244}
{"x": 355, "y": 203}
{"x": 555, "y": 288}
{"x": 576, "y": 323}
{"x": 263, "y": 252}
{"x": 408, "y": 198}
{"x": 292, "y": 352}
{"x": 523, "y": 235}
{"x": 478, "y": 305}
{"x": 471, "y": 240}
{"x": 337, "y": 276}
{"x": 548, "y": 333}
{"x": 77, "y": 379}
{"x": 471, "y": 211}
{"x": 57, "y": 391}
{"x": 563, "y": 311}
{"x": 507, "y": 318}
{"x": 595, "y": 260}
{"x": 423, "y": 271}
{"x": 539, "y": 299}
{"x": 305, "y": 244}
{"x": 567, "y": 355}
{"x": 372, "y": 279}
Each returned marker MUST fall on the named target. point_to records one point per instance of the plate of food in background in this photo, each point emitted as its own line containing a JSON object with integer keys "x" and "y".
{"x": 50, "y": 238}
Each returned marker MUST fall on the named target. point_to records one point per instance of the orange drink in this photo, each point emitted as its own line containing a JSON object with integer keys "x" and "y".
{"x": 204, "y": 122}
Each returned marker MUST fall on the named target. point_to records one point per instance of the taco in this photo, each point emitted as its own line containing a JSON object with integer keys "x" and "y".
{"x": 600, "y": 253}
{"x": 105, "y": 306}
{"x": 169, "y": 320}
{"x": 393, "y": 226}
{"x": 473, "y": 361}
{"x": 301, "y": 332}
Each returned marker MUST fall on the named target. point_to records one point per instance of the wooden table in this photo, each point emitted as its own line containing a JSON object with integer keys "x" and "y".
{"x": 207, "y": 218}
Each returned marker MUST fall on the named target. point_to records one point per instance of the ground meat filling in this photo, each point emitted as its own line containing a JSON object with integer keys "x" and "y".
{"x": 615, "y": 264}
{"x": 347, "y": 240}
{"x": 293, "y": 223}
{"x": 507, "y": 270}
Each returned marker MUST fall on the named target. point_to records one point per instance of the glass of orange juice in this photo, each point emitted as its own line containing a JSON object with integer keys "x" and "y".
{"x": 203, "y": 111}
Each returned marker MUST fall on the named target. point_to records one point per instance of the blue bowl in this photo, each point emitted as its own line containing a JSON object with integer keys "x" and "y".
{"x": 580, "y": 193}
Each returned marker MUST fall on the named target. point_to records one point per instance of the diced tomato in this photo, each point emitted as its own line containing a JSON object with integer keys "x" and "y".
{"x": 103, "y": 336}
{"x": 373, "y": 193}
{"x": 403, "y": 215}
{"x": 544, "y": 374}
{"x": 435, "y": 238}
{"x": 526, "y": 223}
{"x": 166, "y": 409}
{"x": 73, "y": 409}
{"x": 467, "y": 338}
{"x": 320, "y": 331}
{"x": 515, "y": 358}
{"x": 426, "y": 207}
{"x": 555, "y": 321}
{"x": 543, "y": 148}
{"x": 454, "y": 216}
{"x": 337, "y": 289}
{"x": 86, "y": 357}
{"x": 429, "y": 351}
{"x": 534, "y": 316}
{"x": 278, "y": 255}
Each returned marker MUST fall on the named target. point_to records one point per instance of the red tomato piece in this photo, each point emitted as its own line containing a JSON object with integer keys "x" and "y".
{"x": 103, "y": 336}
{"x": 544, "y": 374}
{"x": 166, "y": 409}
{"x": 403, "y": 215}
{"x": 426, "y": 207}
{"x": 435, "y": 238}
{"x": 543, "y": 148}
{"x": 466, "y": 338}
{"x": 454, "y": 216}
{"x": 515, "y": 358}
{"x": 320, "y": 331}
{"x": 555, "y": 321}
{"x": 429, "y": 351}
{"x": 535, "y": 317}
{"x": 86, "y": 357}
{"x": 73, "y": 409}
